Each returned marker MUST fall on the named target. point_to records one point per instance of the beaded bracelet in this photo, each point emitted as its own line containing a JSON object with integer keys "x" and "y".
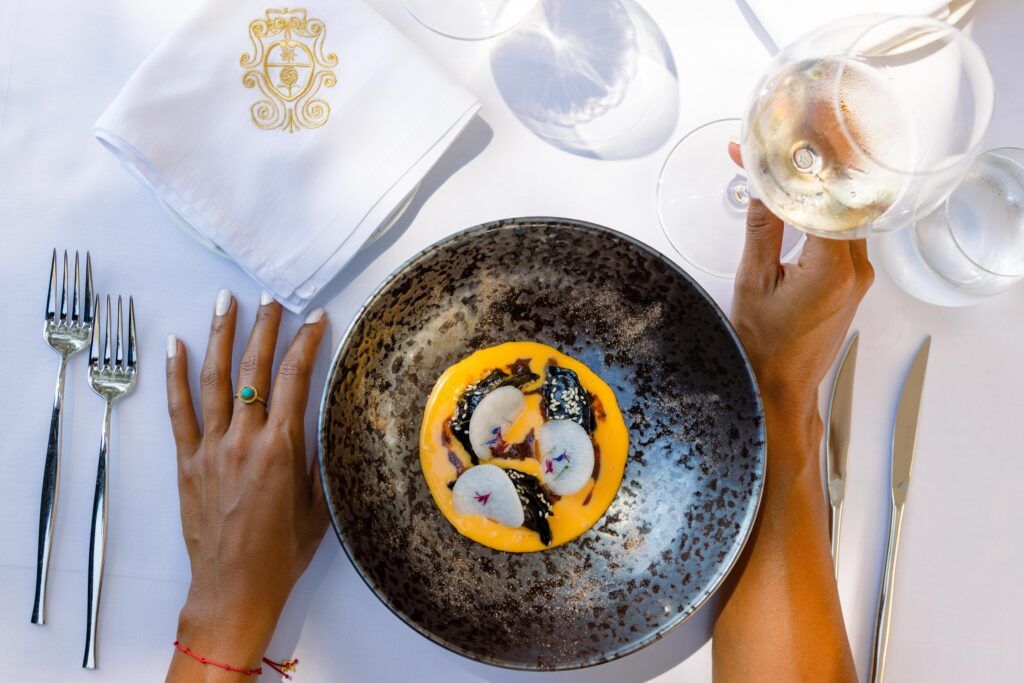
{"x": 280, "y": 667}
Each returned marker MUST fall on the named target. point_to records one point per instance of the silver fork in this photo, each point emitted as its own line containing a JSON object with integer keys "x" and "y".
{"x": 112, "y": 378}
{"x": 67, "y": 335}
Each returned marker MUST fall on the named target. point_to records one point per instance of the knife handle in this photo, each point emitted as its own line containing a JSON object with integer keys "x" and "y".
{"x": 885, "y": 599}
{"x": 837, "y": 522}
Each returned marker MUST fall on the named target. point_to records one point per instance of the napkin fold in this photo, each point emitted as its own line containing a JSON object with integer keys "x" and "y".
{"x": 787, "y": 20}
{"x": 285, "y": 137}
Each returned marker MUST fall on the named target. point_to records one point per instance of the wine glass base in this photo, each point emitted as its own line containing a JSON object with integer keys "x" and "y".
{"x": 702, "y": 201}
{"x": 469, "y": 19}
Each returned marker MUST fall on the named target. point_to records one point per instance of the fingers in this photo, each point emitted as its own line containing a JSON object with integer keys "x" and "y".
{"x": 290, "y": 392}
{"x": 184, "y": 424}
{"x": 763, "y": 246}
{"x": 258, "y": 358}
{"x": 821, "y": 254}
{"x": 862, "y": 266}
{"x": 216, "y": 389}
{"x": 735, "y": 154}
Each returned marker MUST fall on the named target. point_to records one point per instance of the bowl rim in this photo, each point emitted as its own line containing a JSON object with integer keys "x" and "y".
{"x": 679, "y": 618}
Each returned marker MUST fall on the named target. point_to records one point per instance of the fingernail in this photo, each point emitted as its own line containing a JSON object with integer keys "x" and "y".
{"x": 223, "y": 301}
{"x": 172, "y": 346}
{"x": 266, "y": 298}
{"x": 734, "y": 141}
{"x": 314, "y": 316}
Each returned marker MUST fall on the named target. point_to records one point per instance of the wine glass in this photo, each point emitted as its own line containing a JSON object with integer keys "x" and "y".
{"x": 469, "y": 19}
{"x": 861, "y": 126}
{"x": 703, "y": 198}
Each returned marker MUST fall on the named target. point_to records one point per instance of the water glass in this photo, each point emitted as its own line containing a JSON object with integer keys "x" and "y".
{"x": 975, "y": 242}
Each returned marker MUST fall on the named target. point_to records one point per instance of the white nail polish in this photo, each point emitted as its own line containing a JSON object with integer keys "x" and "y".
{"x": 172, "y": 346}
{"x": 224, "y": 297}
{"x": 266, "y": 298}
{"x": 314, "y": 316}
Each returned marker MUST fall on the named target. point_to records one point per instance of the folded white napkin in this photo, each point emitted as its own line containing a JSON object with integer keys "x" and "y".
{"x": 285, "y": 137}
{"x": 787, "y": 20}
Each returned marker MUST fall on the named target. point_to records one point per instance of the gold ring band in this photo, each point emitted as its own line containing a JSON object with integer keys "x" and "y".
{"x": 248, "y": 394}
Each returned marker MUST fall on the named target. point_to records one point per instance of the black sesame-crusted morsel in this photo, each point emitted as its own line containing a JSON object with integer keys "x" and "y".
{"x": 471, "y": 398}
{"x": 535, "y": 505}
{"x": 563, "y": 398}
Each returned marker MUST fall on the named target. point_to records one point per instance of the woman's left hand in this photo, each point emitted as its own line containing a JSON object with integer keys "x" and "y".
{"x": 252, "y": 513}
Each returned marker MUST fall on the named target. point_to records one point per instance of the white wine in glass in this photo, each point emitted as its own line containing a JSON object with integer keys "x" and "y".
{"x": 862, "y": 126}
{"x": 799, "y": 155}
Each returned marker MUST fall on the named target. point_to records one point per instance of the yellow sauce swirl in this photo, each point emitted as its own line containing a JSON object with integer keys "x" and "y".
{"x": 571, "y": 515}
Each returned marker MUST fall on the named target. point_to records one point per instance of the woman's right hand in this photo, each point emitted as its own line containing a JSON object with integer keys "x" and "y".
{"x": 793, "y": 317}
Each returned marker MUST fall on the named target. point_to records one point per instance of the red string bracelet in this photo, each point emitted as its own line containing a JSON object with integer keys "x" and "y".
{"x": 282, "y": 668}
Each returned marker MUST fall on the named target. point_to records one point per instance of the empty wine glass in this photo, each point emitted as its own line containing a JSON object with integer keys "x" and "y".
{"x": 702, "y": 201}
{"x": 861, "y": 126}
{"x": 469, "y": 19}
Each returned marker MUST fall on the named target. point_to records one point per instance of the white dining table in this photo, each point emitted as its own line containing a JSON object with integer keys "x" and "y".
{"x": 959, "y": 597}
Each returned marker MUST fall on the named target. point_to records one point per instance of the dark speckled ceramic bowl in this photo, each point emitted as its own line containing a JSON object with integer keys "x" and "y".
{"x": 692, "y": 482}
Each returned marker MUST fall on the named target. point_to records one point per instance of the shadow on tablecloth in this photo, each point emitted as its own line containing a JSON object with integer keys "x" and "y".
{"x": 595, "y": 79}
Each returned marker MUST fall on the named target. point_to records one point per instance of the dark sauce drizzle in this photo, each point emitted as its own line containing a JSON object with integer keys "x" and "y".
{"x": 560, "y": 385}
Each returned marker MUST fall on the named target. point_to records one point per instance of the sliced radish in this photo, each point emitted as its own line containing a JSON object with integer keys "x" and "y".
{"x": 487, "y": 491}
{"x": 492, "y": 419}
{"x": 566, "y": 456}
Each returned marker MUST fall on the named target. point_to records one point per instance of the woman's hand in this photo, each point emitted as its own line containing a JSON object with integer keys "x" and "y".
{"x": 251, "y": 512}
{"x": 781, "y": 619}
{"x": 793, "y": 318}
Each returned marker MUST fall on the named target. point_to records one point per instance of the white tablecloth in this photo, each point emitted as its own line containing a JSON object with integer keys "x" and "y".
{"x": 959, "y": 596}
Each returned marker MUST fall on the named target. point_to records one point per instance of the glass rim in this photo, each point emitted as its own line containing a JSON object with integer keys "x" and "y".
{"x": 947, "y": 31}
{"x": 467, "y": 38}
{"x": 952, "y": 235}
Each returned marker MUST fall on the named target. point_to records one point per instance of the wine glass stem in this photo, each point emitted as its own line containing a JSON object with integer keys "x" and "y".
{"x": 737, "y": 193}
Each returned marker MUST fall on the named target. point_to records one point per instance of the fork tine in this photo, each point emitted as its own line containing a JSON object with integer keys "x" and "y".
{"x": 94, "y": 339}
{"x": 106, "y": 338}
{"x": 132, "y": 359}
{"x": 118, "y": 354}
{"x": 74, "y": 296}
{"x": 64, "y": 291}
{"x": 51, "y": 294}
{"x": 89, "y": 313}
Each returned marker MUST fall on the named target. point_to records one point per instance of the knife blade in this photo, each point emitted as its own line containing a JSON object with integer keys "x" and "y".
{"x": 837, "y": 439}
{"x": 904, "y": 434}
{"x": 904, "y": 443}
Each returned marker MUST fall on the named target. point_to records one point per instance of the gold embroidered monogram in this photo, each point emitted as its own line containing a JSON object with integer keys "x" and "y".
{"x": 289, "y": 67}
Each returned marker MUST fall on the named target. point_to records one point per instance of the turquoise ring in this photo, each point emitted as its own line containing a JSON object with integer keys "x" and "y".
{"x": 248, "y": 394}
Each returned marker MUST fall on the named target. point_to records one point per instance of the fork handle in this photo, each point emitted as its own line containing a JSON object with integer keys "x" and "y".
{"x": 97, "y": 543}
{"x": 48, "y": 499}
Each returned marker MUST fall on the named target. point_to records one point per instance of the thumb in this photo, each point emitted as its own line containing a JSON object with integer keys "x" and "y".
{"x": 735, "y": 154}
{"x": 763, "y": 245}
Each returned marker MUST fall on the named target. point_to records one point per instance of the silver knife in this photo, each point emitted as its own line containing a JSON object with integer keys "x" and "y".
{"x": 904, "y": 439}
{"x": 837, "y": 439}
